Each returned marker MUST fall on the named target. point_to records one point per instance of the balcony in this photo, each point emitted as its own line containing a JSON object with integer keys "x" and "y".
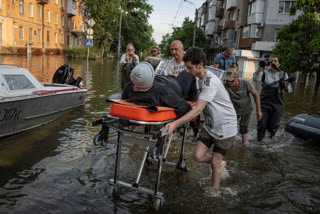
{"x": 231, "y": 5}
{"x": 71, "y": 8}
{"x": 210, "y": 26}
{"x": 219, "y": 13}
{"x": 229, "y": 24}
{"x": 43, "y": 1}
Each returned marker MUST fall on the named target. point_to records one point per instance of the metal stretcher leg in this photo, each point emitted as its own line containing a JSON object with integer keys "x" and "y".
{"x": 136, "y": 184}
{"x": 182, "y": 163}
{"x": 118, "y": 155}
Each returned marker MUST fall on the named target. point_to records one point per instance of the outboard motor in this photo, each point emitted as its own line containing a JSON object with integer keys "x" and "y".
{"x": 64, "y": 75}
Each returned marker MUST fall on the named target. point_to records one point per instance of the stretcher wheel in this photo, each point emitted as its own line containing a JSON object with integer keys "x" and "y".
{"x": 110, "y": 190}
{"x": 157, "y": 203}
{"x": 96, "y": 140}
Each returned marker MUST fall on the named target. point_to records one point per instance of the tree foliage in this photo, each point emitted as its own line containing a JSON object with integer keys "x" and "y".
{"x": 185, "y": 35}
{"x": 299, "y": 42}
{"x": 135, "y": 28}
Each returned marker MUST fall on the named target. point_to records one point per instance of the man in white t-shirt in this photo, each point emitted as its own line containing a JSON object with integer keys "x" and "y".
{"x": 176, "y": 65}
{"x": 220, "y": 125}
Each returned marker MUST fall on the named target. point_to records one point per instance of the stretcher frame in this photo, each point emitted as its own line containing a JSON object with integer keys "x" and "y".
{"x": 153, "y": 141}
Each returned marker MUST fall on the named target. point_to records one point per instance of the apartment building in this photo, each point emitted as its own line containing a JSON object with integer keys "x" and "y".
{"x": 248, "y": 26}
{"x": 41, "y": 26}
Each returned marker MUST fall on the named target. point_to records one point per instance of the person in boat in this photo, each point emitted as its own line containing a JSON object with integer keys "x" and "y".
{"x": 176, "y": 64}
{"x": 127, "y": 63}
{"x": 271, "y": 96}
{"x": 154, "y": 59}
{"x": 147, "y": 89}
{"x": 225, "y": 60}
{"x": 220, "y": 125}
{"x": 239, "y": 90}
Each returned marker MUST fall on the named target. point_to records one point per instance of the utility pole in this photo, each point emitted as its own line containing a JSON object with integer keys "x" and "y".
{"x": 195, "y": 28}
{"x": 195, "y": 23}
{"x": 119, "y": 39}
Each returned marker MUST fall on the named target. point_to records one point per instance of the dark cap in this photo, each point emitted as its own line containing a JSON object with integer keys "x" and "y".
{"x": 155, "y": 47}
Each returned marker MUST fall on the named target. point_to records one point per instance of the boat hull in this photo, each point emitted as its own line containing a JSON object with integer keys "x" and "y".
{"x": 304, "y": 126}
{"x": 24, "y": 114}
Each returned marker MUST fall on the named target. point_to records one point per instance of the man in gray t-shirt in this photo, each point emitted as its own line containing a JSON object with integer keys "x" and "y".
{"x": 239, "y": 91}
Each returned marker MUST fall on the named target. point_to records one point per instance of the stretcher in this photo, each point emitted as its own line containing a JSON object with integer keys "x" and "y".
{"x": 152, "y": 141}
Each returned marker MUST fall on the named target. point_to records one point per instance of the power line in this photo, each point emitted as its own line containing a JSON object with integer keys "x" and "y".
{"x": 180, "y": 5}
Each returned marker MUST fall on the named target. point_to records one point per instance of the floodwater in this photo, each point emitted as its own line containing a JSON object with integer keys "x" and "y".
{"x": 56, "y": 168}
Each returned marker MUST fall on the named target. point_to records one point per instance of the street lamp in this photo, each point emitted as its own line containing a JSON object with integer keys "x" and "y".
{"x": 195, "y": 23}
{"x": 119, "y": 38}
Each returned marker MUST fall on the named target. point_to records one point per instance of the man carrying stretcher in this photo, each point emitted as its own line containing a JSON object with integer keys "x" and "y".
{"x": 147, "y": 89}
{"x": 220, "y": 125}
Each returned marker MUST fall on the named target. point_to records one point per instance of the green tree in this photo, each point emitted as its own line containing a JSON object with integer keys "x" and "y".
{"x": 135, "y": 27}
{"x": 106, "y": 15}
{"x": 185, "y": 35}
{"x": 299, "y": 42}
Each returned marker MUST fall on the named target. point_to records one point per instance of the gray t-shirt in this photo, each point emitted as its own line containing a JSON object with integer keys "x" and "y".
{"x": 240, "y": 98}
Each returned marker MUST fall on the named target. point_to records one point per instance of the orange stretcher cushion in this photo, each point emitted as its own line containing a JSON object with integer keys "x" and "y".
{"x": 124, "y": 109}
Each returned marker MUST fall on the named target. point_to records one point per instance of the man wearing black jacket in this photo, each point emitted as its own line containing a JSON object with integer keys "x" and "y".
{"x": 147, "y": 89}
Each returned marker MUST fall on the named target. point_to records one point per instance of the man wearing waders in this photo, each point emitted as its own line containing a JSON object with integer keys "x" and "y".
{"x": 271, "y": 96}
{"x": 127, "y": 62}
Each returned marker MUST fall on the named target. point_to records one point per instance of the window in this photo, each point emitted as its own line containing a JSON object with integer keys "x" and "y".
{"x": 62, "y": 39}
{"x": 251, "y": 8}
{"x": 30, "y": 34}
{"x": 30, "y": 10}
{"x": 56, "y": 1}
{"x": 21, "y": 31}
{"x": 62, "y": 20}
{"x": 79, "y": 10}
{"x": 245, "y": 32}
{"x": 48, "y": 16}
{"x": 48, "y": 36}
{"x": 284, "y": 6}
{"x": 1, "y": 29}
{"x": 0, "y": 4}
{"x": 255, "y": 31}
{"x": 21, "y": 6}
{"x": 39, "y": 36}
{"x": 39, "y": 11}
{"x": 55, "y": 38}
{"x": 232, "y": 16}
{"x": 56, "y": 18}
{"x": 62, "y": 4}
{"x": 18, "y": 82}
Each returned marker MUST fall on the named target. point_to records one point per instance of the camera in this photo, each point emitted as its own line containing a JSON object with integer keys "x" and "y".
{"x": 265, "y": 62}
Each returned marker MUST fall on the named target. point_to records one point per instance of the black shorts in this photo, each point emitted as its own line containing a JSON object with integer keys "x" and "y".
{"x": 220, "y": 146}
{"x": 244, "y": 122}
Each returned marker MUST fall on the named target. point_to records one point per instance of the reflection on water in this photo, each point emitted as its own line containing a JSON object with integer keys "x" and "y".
{"x": 56, "y": 168}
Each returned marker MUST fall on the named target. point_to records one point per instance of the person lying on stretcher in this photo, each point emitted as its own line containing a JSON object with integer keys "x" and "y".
{"x": 147, "y": 89}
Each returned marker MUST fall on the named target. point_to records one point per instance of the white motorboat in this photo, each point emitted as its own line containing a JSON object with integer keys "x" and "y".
{"x": 25, "y": 103}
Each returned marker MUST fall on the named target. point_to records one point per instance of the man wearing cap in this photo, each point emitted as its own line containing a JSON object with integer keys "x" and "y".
{"x": 155, "y": 58}
{"x": 147, "y": 89}
{"x": 239, "y": 91}
{"x": 220, "y": 125}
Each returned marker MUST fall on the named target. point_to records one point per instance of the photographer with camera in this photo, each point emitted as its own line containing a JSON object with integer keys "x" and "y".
{"x": 274, "y": 82}
{"x": 127, "y": 62}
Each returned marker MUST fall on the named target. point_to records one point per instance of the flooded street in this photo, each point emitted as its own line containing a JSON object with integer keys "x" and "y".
{"x": 56, "y": 168}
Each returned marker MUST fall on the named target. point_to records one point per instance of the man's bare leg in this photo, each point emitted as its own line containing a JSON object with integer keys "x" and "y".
{"x": 245, "y": 139}
{"x": 217, "y": 165}
{"x": 200, "y": 153}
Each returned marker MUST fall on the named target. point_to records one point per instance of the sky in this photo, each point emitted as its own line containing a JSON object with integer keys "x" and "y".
{"x": 170, "y": 13}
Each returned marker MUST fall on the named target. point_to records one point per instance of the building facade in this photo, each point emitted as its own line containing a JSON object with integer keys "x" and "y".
{"x": 41, "y": 26}
{"x": 248, "y": 26}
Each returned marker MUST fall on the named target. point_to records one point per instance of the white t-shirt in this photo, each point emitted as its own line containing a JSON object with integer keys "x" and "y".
{"x": 220, "y": 116}
{"x": 174, "y": 68}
